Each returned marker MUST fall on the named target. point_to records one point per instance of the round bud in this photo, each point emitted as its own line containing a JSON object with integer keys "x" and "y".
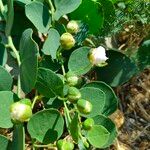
{"x": 64, "y": 145}
{"x": 84, "y": 106}
{"x": 73, "y": 94}
{"x": 67, "y": 41}
{"x": 20, "y": 112}
{"x": 88, "y": 124}
{"x": 72, "y": 79}
{"x": 72, "y": 27}
{"x": 97, "y": 56}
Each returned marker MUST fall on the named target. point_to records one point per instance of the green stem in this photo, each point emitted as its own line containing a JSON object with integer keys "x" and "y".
{"x": 63, "y": 70}
{"x": 67, "y": 112}
{"x": 51, "y": 146}
{"x": 52, "y": 8}
{"x": 35, "y": 99}
{"x": 18, "y": 142}
{"x": 90, "y": 42}
{"x": 62, "y": 98}
{"x": 11, "y": 45}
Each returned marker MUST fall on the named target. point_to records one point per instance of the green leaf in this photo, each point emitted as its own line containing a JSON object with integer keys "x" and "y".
{"x": 143, "y": 55}
{"x": 90, "y": 12}
{"x": 98, "y": 136}
{"x": 109, "y": 125}
{"x": 111, "y": 101}
{"x": 119, "y": 70}
{"x": 3, "y": 55}
{"x": 21, "y": 23}
{"x": 49, "y": 83}
{"x": 65, "y": 6}
{"x": 4, "y": 142}
{"x": 5, "y": 80}
{"x": 29, "y": 61}
{"x": 75, "y": 128}
{"x": 46, "y": 126}
{"x": 79, "y": 62}
{"x": 109, "y": 15}
{"x": 52, "y": 43}
{"x": 7, "y": 98}
{"x": 97, "y": 99}
{"x": 39, "y": 15}
{"x": 23, "y": 1}
{"x": 48, "y": 63}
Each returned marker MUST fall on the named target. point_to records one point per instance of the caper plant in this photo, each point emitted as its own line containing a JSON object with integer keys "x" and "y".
{"x": 58, "y": 92}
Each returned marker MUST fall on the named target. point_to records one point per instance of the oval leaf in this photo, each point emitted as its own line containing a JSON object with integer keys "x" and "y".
{"x": 109, "y": 125}
{"x": 65, "y": 6}
{"x": 52, "y": 43}
{"x": 5, "y": 80}
{"x": 120, "y": 69}
{"x": 96, "y": 97}
{"x": 94, "y": 17}
{"x": 29, "y": 61}
{"x": 7, "y": 98}
{"x": 79, "y": 62}
{"x": 111, "y": 101}
{"x": 46, "y": 126}
{"x": 39, "y": 15}
{"x": 49, "y": 83}
{"x": 75, "y": 128}
{"x": 98, "y": 136}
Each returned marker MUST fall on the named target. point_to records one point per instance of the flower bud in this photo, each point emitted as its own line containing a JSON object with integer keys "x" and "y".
{"x": 20, "y": 112}
{"x": 67, "y": 41}
{"x": 88, "y": 124}
{"x": 65, "y": 145}
{"x": 97, "y": 56}
{"x": 72, "y": 27}
{"x": 72, "y": 79}
{"x": 84, "y": 106}
{"x": 26, "y": 101}
{"x": 73, "y": 94}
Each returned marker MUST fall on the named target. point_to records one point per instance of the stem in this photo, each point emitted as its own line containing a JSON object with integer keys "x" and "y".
{"x": 35, "y": 99}
{"x": 63, "y": 69}
{"x": 11, "y": 45}
{"x": 51, "y": 146}
{"x": 52, "y": 8}
{"x": 67, "y": 112}
{"x": 18, "y": 142}
{"x": 90, "y": 42}
{"x": 62, "y": 98}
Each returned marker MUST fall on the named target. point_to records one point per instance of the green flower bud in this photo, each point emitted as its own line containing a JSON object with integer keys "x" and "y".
{"x": 73, "y": 94}
{"x": 20, "y": 112}
{"x": 84, "y": 106}
{"x": 88, "y": 124}
{"x": 26, "y": 101}
{"x": 72, "y": 27}
{"x": 67, "y": 41}
{"x": 72, "y": 79}
{"x": 65, "y": 145}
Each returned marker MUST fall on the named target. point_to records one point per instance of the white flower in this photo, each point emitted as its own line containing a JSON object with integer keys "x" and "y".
{"x": 97, "y": 56}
